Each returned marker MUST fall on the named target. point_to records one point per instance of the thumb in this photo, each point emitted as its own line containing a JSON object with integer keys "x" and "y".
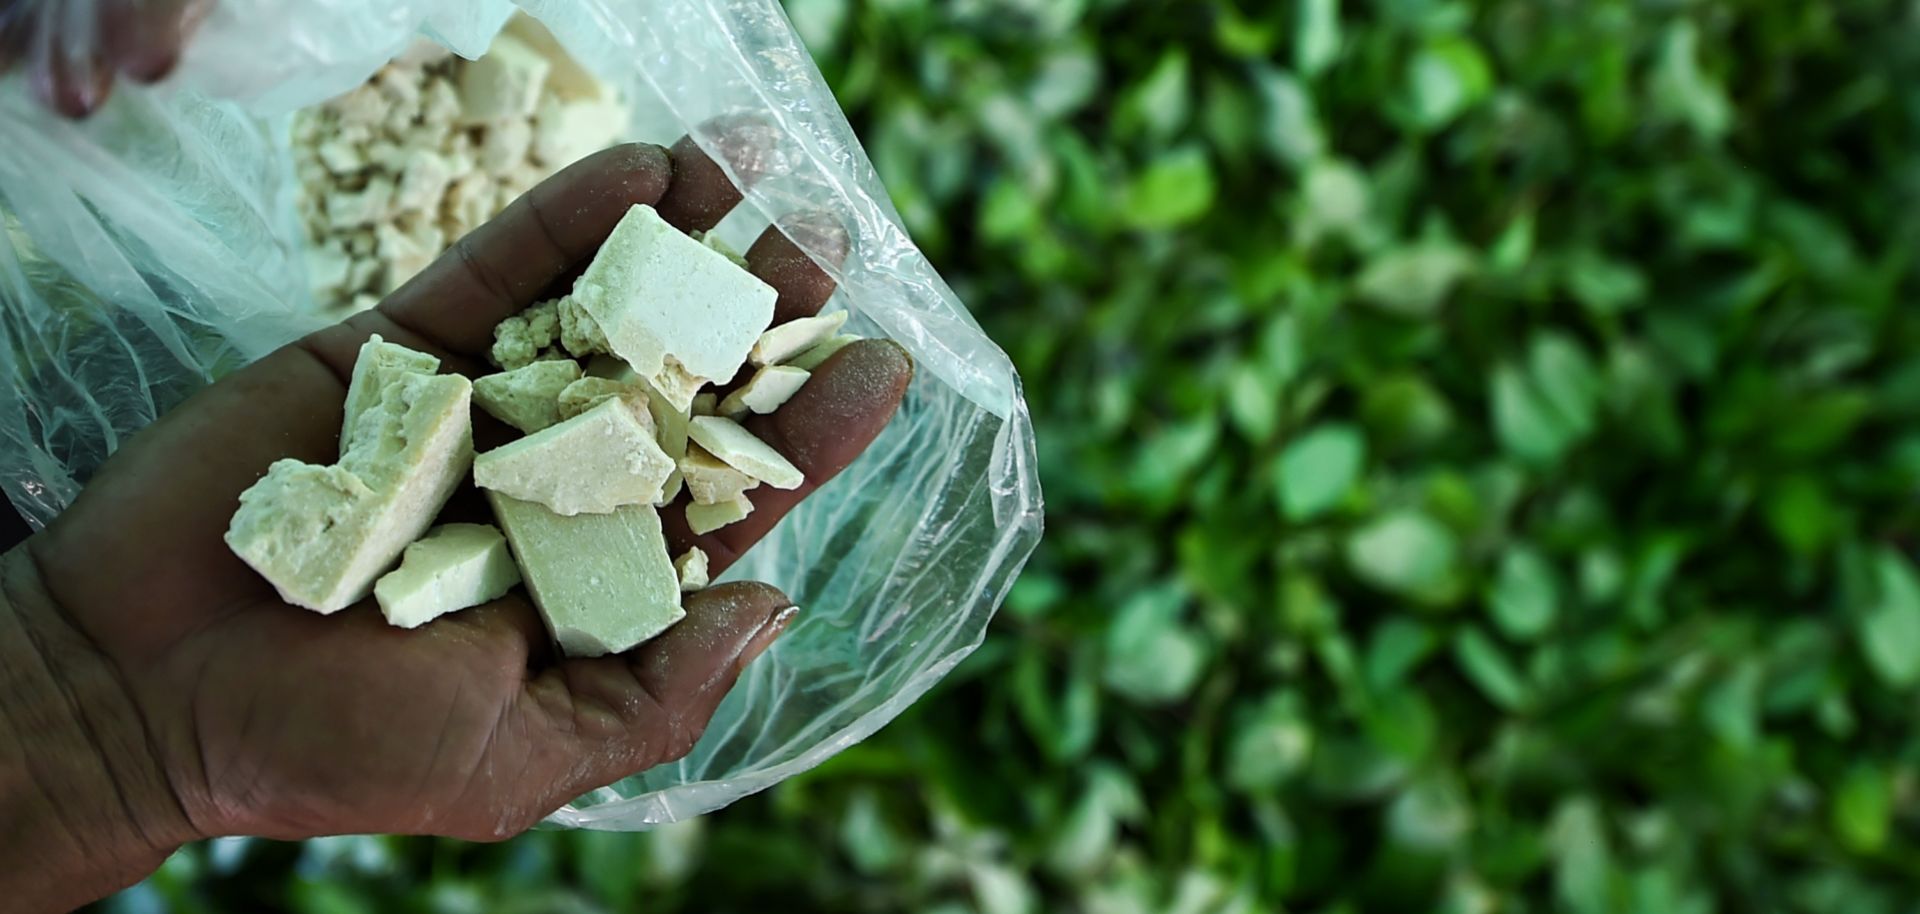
{"x": 600, "y": 719}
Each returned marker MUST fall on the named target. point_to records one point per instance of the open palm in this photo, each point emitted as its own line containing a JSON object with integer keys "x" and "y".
{"x": 255, "y": 717}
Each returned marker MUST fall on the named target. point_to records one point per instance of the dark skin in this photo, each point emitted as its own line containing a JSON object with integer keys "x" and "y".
{"x": 141, "y": 40}
{"x": 154, "y": 690}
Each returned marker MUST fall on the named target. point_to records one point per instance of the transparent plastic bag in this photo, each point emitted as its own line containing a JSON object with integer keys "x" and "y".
{"x": 153, "y": 248}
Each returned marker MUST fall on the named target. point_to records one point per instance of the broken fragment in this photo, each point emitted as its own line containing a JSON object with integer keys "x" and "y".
{"x": 524, "y": 337}
{"x": 766, "y": 391}
{"x": 692, "y": 568}
{"x": 781, "y": 343}
{"x": 587, "y": 393}
{"x": 665, "y": 301}
{"x": 603, "y": 582}
{"x": 527, "y": 397}
{"x": 377, "y": 365}
{"x": 321, "y": 535}
{"x": 813, "y": 358}
{"x": 704, "y": 519}
{"x": 451, "y": 568}
{"x": 504, "y": 83}
{"x": 711, "y": 481}
{"x": 593, "y": 463}
{"x": 739, "y": 449}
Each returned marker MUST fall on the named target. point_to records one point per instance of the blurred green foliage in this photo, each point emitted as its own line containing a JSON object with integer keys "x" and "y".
{"x": 1481, "y": 455}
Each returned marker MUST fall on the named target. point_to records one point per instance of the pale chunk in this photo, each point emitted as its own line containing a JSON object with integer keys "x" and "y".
{"x": 670, "y": 422}
{"x": 704, "y": 519}
{"x": 451, "y": 568}
{"x": 705, "y": 404}
{"x": 377, "y": 365}
{"x": 692, "y": 568}
{"x": 527, "y": 397}
{"x": 671, "y": 490}
{"x": 813, "y": 358}
{"x": 794, "y": 337}
{"x": 711, "y": 481}
{"x": 604, "y": 583}
{"x": 504, "y": 83}
{"x": 587, "y": 393}
{"x": 766, "y": 391}
{"x": 524, "y": 337}
{"x": 665, "y": 301}
{"x": 321, "y": 535}
{"x": 739, "y": 449}
{"x": 592, "y": 463}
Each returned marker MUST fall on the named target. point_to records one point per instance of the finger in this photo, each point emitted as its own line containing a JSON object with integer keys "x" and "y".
{"x": 779, "y": 256}
{"x": 72, "y": 84}
{"x": 832, "y": 419}
{"x": 605, "y": 718}
{"x": 144, "y": 38}
{"x": 503, "y": 266}
{"x": 511, "y": 628}
{"x": 702, "y": 194}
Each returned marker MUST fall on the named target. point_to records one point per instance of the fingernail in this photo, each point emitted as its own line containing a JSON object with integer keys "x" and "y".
{"x": 767, "y": 634}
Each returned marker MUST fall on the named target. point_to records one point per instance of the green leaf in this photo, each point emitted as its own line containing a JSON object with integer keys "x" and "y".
{"x": 1318, "y": 468}
{"x": 1566, "y": 380}
{"x": 1280, "y": 349}
{"x": 1732, "y": 706}
{"x": 1863, "y": 810}
{"x": 1269, "y": 746}
{"x": 1398, "y": 647}
{"x": 1583, "y": 869}
{"x": 1253, "y": 402}
{"x": 1527, "y": 424}
{"x": 1404, "y": 411}
{"x": 1008, "y": 212}
{"x": 1152, "y": 657}
{"x": 1316, "y": 36}
{"x": 1604, "y": 286}
{"x": 1175, "y": 189}
{"x": 869, "y": 840}
{"x": 1291, "y": 130}
{"x": 1161, "y": 102}
{"x": 1890, "y": 630}
{"x": 1525, "y": 595}
{"x": 1683, "y": 91}
{"x": 1488, "y": 668}
{"x": 1446, "y": 78}
{"x": 1413, "y": 281}
{"x": 1801, "y": 515}
{"x": 1408, "y": 554}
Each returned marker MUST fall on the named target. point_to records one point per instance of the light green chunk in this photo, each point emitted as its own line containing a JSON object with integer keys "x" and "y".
{"x": 711, "y": 481}
{"x": 738, "y": 448}
{"x": 592, "y": 463}
{"x": 527, "y": 397}
{"x": 678, "y": 312}
{"x": 587, "y": 393}
{"x": 453, "y": 567}
{"x": 321, "y": 535}
{"x": 691, "y": 566}
{"x": 704, "y": 519}
{"x": 769, "y": 389}
{"x": 378, "y": 363}
{"x": 603, "y": 582}
{"x": 670, "y": 422}
{"x": 814, "y": 357}
{"x": 781, "y": 343}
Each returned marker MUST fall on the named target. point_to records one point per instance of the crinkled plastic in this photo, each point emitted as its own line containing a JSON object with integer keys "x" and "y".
{"x": 154, "y": 247}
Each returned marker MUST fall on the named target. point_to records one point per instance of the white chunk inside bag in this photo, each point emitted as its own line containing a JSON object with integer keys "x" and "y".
{"x": 161, "y": 244}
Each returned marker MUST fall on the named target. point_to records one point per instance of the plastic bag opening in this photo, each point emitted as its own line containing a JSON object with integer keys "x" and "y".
{"x": 154, "y": 248}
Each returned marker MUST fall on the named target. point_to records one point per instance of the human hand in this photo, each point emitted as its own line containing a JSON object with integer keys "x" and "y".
{"x": 73, "y": 49}
{"x": 170, "y": 695}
